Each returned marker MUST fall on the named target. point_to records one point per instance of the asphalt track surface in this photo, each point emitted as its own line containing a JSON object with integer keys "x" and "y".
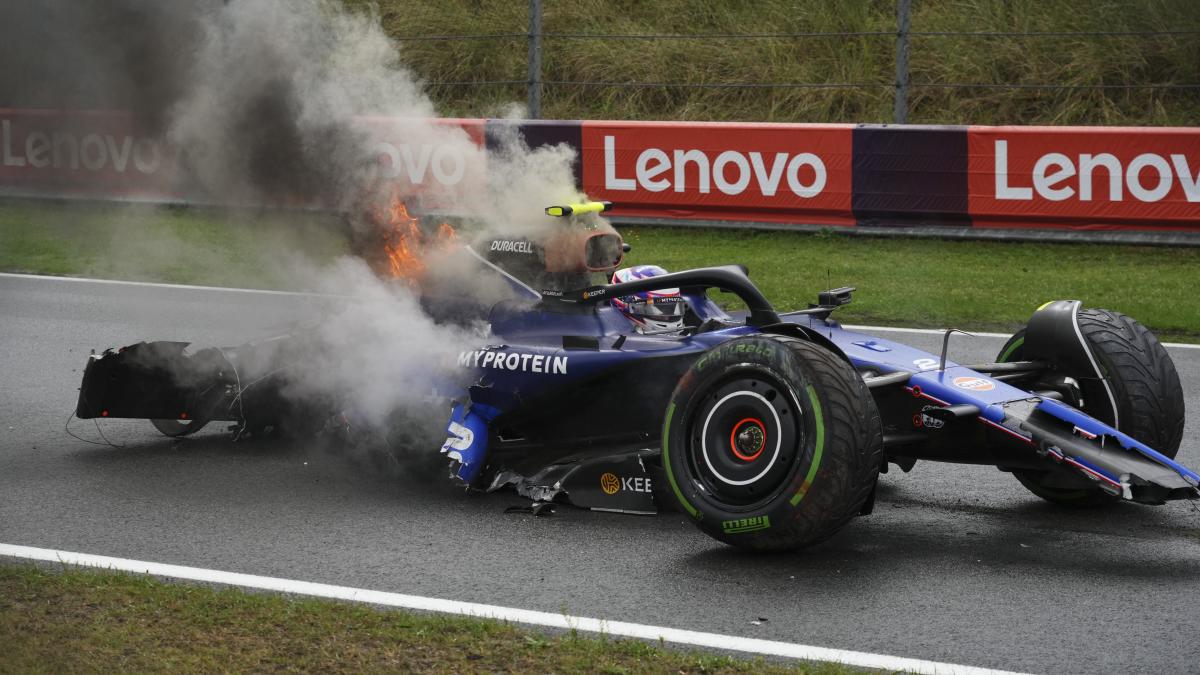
{"x": 957, "y": 564}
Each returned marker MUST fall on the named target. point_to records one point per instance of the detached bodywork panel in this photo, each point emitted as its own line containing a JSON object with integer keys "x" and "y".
{"x": 165, "y": 381}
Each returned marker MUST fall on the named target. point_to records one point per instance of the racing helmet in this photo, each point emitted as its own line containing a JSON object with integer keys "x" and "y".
{"x": 649, "y": 310}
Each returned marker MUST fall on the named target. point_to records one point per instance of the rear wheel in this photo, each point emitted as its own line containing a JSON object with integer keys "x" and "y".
{"x": 771, "y": 443}
{"x": 1144, "y": 386}
{"x": 178, "y": 428}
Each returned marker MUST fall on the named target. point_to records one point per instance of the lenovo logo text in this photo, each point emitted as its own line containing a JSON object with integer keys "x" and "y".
{"x": 41, "y": 149}
{"x": 730, "y": 172}
{"x": 445, "y": 164}
{"x": 1056, "y": 177}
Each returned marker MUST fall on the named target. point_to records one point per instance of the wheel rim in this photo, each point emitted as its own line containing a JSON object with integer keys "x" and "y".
{"x": 743, "y": 437}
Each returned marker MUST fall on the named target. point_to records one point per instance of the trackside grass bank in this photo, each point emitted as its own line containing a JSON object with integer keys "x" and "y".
{"x": 990, "y": 286}
{"x": 1105, "y": 71}
{"x": 89, "y": 621}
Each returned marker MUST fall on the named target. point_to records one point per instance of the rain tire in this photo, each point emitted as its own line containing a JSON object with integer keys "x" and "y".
{"x": 811, "y": 470}
{"x": 1145, "y": 384}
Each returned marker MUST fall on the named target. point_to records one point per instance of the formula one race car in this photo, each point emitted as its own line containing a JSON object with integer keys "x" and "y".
{"x": 768, "y": 429}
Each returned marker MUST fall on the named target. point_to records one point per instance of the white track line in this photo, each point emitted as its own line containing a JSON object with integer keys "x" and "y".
{"x": 893, "y": 329}
{"x": 523, "y": 616}
{"x": 151, "y": 284}
{"x": 920, "y": 331}
{"x": 942, "y": 331}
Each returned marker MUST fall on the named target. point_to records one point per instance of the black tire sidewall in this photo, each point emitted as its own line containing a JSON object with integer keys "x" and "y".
{"x": 777, "y": 523}
{"x": 1133, "y": 411}
{"x": 1146, "y": 343}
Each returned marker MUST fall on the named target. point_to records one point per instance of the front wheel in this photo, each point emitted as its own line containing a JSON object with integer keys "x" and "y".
{"x": 1139, "y": 393}
{"x": 771, "y": 443}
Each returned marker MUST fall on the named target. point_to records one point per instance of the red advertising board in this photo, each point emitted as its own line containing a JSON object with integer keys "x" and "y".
{"x": 1084, "y": 177}
{"x": 86, "y": 154}
{"x": 760, "y": 172}
{"x": 435, "y": 163}
{"x": 831, "y": 174}
{"x": 106, "y": 155}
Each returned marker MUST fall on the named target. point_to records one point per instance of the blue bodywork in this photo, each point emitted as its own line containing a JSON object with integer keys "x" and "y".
{"x": 545, "y": 348}
{"x": 568, "y": 398}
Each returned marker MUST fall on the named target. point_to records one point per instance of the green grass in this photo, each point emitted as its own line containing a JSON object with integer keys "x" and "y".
{"x": 907, "y": 282}
{"x": 89, "y": 621}
{"x": 935, "y": 283}
{"x": 1077, "y": 61}
{"x": 152, "y": 243}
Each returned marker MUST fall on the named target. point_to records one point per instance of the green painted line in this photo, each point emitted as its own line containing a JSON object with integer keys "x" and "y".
{"x": 817, "y": 452}
{"x": 1011, "y": 348}
{"x": 666, "y": 460}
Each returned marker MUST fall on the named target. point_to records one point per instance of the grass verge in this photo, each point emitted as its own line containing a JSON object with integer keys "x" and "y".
{"x": 155, "y": 243}
{"x": 902, "y": 282}
{"x": 980, "y": 285}
{"x": 89, "y": 621}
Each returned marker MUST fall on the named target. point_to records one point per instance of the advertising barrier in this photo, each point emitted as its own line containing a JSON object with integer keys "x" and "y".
{"x": 716, "y": 171}
{"x": 1080, "y": 179}
{"x": 910, "y": 175}
{"x": 83, "y": 154}
{"x": 434, "y": 165}
{"x": 109, "y": 155}
{"x": 1090, "y": 177}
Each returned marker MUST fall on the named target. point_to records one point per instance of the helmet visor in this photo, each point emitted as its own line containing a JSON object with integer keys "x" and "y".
{"x": 660, "y": 309}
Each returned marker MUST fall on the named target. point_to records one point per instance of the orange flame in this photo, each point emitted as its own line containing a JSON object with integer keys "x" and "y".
{"x": 404, "y": 243}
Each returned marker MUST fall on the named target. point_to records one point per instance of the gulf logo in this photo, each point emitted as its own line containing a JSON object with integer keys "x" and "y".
{"x": 974, "y": 383}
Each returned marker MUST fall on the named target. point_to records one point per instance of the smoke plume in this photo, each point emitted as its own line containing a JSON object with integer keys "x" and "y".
{"x": 266, "y": 100}
{"x": 270, "y": 101}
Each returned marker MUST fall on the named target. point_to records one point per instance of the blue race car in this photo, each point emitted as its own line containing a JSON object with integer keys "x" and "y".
{"x": 768, "y": 429}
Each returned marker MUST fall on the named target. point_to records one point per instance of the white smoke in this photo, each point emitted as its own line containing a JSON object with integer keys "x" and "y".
{"x": 377, "y": 349}
{"x": 312, "y": 71}
{"x": 273, "y": 95}
{"x": 265, "y": 101}
{"x": 280, "y": 96}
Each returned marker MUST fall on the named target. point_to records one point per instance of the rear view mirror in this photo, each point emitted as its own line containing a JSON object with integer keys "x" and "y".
{"x": 603, "y": 252}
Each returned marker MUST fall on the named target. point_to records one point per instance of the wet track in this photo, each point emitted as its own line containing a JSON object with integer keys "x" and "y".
{"x": 957, "y": 564}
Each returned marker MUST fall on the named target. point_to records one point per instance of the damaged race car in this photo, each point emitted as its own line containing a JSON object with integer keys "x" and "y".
{"x": 767, "y": 429}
